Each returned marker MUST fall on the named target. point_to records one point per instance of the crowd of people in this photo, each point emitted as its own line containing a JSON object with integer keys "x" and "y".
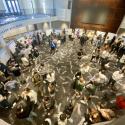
{"x": 105, "y": 55}
{"x": 22, "y": 100}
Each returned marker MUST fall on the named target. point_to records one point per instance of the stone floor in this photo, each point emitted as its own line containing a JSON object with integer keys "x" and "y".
{"x": 65, "y": 64}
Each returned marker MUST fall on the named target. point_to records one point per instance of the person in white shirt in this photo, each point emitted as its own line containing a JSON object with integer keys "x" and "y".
{"x": 50, "y": 77}
{"x": 85, "y": 68}
{"x": 104, "y": 56}
{"x": 31, "y": 94}
{"x": 40, "y": 37}
{"x": 116, "y": 77}
{"x": 58, "y": 43}
{"x": 99, "y": 78}
{"x": 73, "y": 36}
{"x": 24, "y": 61}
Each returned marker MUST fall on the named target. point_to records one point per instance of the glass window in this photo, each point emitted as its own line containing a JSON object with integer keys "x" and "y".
{"x": 10, "y": 6}
{"x": 17, "y": 5}
{"x": 5, "y": 5}
{"x": 44, "y": 7}
{"x": 14, "y": 6}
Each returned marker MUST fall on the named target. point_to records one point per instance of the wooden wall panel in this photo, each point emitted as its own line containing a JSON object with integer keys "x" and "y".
{"x": 116, "y": 12}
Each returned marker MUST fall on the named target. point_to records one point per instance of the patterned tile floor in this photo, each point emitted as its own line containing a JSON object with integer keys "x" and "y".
{"x": 65, "y": 64}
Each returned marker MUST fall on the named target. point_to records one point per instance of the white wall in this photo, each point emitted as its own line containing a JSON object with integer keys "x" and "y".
{"x": 30, "y": 28}
{"x": 54, "y": 25}
{"x": 43, "y": 26}
{"x": 62, "y": 10}
{"x": 48, "y": 4}
{"x": 26, "y": 5}
{"x": 121, "y": 29}
{"x": 61, "y": 4}
{"x": 2, "y": 5}
{"x": 123, "y": 23}
{"x": 60, "y": 25}
{"x": 37, "y": 5}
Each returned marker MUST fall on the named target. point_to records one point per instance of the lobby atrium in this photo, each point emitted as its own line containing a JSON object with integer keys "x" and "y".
{"x": 62, "y": 62}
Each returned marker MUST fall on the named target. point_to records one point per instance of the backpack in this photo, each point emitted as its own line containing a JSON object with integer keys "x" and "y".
{"x": 53, "y": 45}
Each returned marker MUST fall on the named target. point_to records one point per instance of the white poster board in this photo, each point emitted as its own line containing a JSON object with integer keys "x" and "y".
{"x": 11, "y": 45}
{"x": 4, "y": 56}
{"x": 48, "y": 32}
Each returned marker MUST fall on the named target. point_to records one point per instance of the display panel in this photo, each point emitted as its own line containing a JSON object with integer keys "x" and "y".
{"x": 95, "y": 14}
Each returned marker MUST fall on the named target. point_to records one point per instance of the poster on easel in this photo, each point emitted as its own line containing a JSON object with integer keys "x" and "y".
{"x": 49, "y": 31}
{"x": 11, "y": 45}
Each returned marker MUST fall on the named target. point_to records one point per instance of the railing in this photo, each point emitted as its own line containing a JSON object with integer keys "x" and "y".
{"x": 6, "y": 18}
{"x": 27, "y": 12}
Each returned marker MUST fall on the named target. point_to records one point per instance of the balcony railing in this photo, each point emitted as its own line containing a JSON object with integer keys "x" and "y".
{"x": 6, "y": 18}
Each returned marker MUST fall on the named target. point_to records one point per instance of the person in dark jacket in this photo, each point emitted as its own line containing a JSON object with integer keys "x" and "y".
{"x": 83, "y": 39}
{"x": 38, "y": 38}
{"x": 34, "y": 41}
{"x": 23, "y": 108}
{"x": 5, "y": 69}
{"x": 80, "y": 54}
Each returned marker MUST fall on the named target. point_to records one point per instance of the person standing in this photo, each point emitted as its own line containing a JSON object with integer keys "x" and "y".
{"x": 58, "y": 43}
{"x": 63, "y": 37}
{"x": 116, "y": 77}
{"x": 5, "y": 69}
{"x": 53, "y": 47}
{"x": 38, "y": 37}
{"x": 83, "y": 39}
{"x": 41, "y": 37}
{"x": 34, "y": 42}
